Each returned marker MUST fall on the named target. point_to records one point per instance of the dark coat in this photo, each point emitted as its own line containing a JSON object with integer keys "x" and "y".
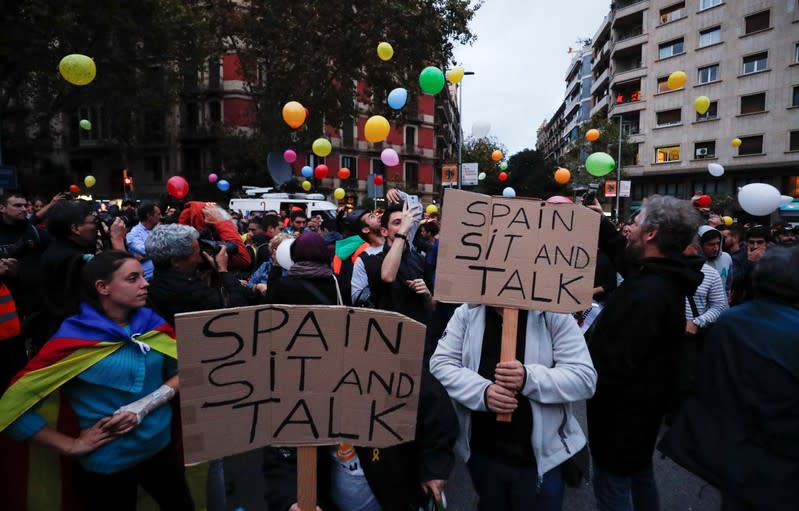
{"x": 61, "y": 266}
{"x": 635, "y": 348}
{"x": 297, "y": 291}
{"x": 172, "y": 292}
{"x": 741, "y": 430}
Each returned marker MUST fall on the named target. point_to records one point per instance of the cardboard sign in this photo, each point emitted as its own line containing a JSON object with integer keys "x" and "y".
{"x": 514, "y": 252}
{"x": 296, "y": 376}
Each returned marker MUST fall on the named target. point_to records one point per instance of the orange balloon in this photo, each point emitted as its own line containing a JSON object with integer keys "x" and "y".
{"x": 294, "y": 114}
{"x": 592, "y": 135}
{"x": 562, "y": 176}
{"x": 496, "y": 155}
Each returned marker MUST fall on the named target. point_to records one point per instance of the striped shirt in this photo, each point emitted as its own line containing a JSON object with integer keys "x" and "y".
{"x": 710, "y": 298}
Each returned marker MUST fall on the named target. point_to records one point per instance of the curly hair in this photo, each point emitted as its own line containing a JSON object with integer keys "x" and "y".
{"x": 675, "y": 221}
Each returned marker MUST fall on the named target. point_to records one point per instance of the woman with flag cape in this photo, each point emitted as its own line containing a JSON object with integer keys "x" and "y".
{"x": 115, "y": 364}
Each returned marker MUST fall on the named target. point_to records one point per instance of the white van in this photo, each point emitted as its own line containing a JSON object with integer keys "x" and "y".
{"x": 263, "y": 199}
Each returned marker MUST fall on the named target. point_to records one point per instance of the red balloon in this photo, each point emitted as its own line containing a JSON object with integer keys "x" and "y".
{"x": 503, "y": 176}
{"x": 320, "y": 172}
{"x": 74, "y": 188}
{"x": 344, "y": 173}
{"x": 177, "y": 187}
{"x": 378, "y": 180}
{"x": 704, "y": 201}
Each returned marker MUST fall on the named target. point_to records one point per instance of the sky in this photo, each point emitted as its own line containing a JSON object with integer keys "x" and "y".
{"x": 520, "y": 61}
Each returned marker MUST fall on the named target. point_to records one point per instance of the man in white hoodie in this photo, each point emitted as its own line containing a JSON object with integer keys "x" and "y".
{"x": 710, "y": 239}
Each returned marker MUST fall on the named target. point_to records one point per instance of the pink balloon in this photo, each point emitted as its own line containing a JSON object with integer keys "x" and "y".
{"x": 289, "y": 155}
{"x": 213, "y": 178}
{"x": 389, "y": 157}
{"x": 559, "y": 199}
{"x": 177, "y": 187}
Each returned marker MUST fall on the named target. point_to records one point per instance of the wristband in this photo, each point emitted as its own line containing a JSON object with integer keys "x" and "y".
{"x": 401, "y": 236}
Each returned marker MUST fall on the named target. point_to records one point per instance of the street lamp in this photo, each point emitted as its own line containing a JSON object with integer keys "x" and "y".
{"x": 618, "y": 170}
{"x": 460, "y": 129}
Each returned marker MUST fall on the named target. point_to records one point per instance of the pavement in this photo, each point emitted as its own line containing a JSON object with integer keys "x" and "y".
{"x": 679, "y": 490}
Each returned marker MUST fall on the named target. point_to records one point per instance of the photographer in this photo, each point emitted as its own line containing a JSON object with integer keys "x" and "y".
{"x": 177, "y": 285}
{"x": 214, "y": 223}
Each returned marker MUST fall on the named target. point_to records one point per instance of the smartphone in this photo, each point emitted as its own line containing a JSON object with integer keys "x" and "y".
{"x": 589, "y": 198}
{"x": 413, "y": 201}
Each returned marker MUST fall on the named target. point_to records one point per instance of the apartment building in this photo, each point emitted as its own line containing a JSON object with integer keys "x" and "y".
{"x": 743, "y": 55}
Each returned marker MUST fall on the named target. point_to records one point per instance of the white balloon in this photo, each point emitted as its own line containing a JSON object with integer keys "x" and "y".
{"x": 785, "y": 200}
{"x": 759, "y": 199}
{"x": 283, "y": 254}
{"x": 509, "y": 192}
{"x": 715, "y": 169}
{"x": 481, "y": 176}
{"x": 481, "y": 129}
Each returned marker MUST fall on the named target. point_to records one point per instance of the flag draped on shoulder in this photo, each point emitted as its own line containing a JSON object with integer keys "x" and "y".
{"x": 80, "y": 342}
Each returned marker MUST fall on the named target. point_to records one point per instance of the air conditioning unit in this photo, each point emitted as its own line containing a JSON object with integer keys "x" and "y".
{"x": 701, "y": 152}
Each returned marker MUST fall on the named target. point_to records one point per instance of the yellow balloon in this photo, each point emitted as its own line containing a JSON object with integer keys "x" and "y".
{"x": 376, "y": 129}
{"x": 727, "y": 220}
{"x": 432, "y": 208}
{"x": 339, "y": 193}
{"x": 385, "y": 51}
{"x": 455, "y": 75}
{"x": 294, "y": 114}
{"x": 676, "y": 80}
{"x": 306, "y": 185}
{"x": 89, "y": 181}
{"x": 77, "y": 69}
{"x": 701, "y": 104}
{"x": 321, "y": 147}
{"x": 736, "y": 142}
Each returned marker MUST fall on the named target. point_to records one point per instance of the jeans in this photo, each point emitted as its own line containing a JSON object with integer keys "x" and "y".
{"x": 636, "y": 492}
{"x": 513, "y": 488}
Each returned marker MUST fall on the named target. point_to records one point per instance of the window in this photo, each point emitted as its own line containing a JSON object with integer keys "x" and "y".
{"x": 793, "y": 141}
{"x": 705, "y": 150}
{"x": 673, "y": 189}
{"x": 671, "y": 48}
{"x": 378, "y": 167}
{"x": 712, "y": 112}
{"x": 214, "y": 75}
{"x": 215, "y": 113}
{"x": 663, "y": 84}
{"x": 796, "y": 54}
{"x": 711, "y": 186}
{"x": 669, "y": 117}
{"x": 795, "y": 98}
{"x": 410, "y": 137}
{"x": 755, "y": 63}
{"x": 313, "y": 160}
{"x": 411, "y": 174}
{"x": 751, "y": 145}
{"x": 96, "y": 116}
{"x": 350, "y": 162}
{"x": 753, "y": 103}
{"x": 757, "y": 22}
{"x": 667, "y": 153}
{"x": 672, "y": 13}
{"x": 709, "y": 36}
{"x": 153, "y": 165}
{"x": 709, "y": 74}
{"x": 348, "y": 133}
{"x": 707, "y": 4}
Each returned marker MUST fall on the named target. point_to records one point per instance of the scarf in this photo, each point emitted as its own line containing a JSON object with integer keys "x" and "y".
{"x": 310, "y": 270}
{"x": 80, "y": 342}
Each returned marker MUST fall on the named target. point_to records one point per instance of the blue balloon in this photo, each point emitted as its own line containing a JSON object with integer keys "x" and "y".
{"x": 223, "y": 185}
{"x": 509, "y": 192}
{"x": 397, "y": 98}
{"x": 307, "y": 171}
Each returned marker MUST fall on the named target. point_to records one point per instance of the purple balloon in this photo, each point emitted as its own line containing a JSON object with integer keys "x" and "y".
{"x": 389, "y": 157}
{"x": 289, "y": 155}
{"x": 213, "y": 178}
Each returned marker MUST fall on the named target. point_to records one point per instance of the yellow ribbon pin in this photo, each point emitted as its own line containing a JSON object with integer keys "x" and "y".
{"x": 375, "y": 454}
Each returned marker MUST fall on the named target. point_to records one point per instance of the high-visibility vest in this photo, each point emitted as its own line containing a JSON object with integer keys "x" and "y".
{"x": 9, "y": 321}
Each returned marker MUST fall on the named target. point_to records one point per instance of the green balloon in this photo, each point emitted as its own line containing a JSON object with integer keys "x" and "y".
{"x": 431, "y": 80}
{"x": 85, "y": 124}
{"x": 503, "y": 165}
{"x": 600, "y": 164}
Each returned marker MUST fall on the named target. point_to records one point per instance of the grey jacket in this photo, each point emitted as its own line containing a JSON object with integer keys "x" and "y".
{"x": 559, "y": 372}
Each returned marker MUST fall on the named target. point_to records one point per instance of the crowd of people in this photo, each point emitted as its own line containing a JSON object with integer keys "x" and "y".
{"x": 694, "y": 322}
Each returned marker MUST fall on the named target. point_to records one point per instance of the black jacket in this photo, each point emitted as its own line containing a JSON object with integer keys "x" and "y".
{"x": 26, "y": 243}
{"x": 741, "y": 430}
{"x": 61, "y": 266}
{"x": 302, "y": 291}
{"x": 635, "y": 347}
{"x": 172, "y": 292}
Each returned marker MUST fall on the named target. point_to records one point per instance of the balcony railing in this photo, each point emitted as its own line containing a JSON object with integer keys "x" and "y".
{"x": 629, "y": 34}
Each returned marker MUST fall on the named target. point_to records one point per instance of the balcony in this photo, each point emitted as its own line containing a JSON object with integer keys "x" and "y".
{"x": 600, "y": 105}
{"x": 631, "y": 41}
{"x": 624, "y": 74}
{"x": 600, "y": 80}
{"x": 623, "y": 9}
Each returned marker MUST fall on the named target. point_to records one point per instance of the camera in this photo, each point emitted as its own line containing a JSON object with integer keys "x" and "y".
{"x": 213, "y": 247}
{"x": 589, "y": 198}
{"x": 106, "y": 218}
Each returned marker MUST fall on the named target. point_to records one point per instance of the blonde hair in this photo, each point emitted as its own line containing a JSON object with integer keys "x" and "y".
{"x": 277, "y": 239}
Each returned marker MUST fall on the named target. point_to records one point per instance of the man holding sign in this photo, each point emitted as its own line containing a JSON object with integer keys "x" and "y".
{"x": 510, "y": 257}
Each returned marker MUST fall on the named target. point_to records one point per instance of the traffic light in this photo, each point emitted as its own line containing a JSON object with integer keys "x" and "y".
{"x": 127, "y": 181}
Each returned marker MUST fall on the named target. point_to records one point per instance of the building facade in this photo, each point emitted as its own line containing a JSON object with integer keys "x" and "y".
{"x": 743, "y": 56}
